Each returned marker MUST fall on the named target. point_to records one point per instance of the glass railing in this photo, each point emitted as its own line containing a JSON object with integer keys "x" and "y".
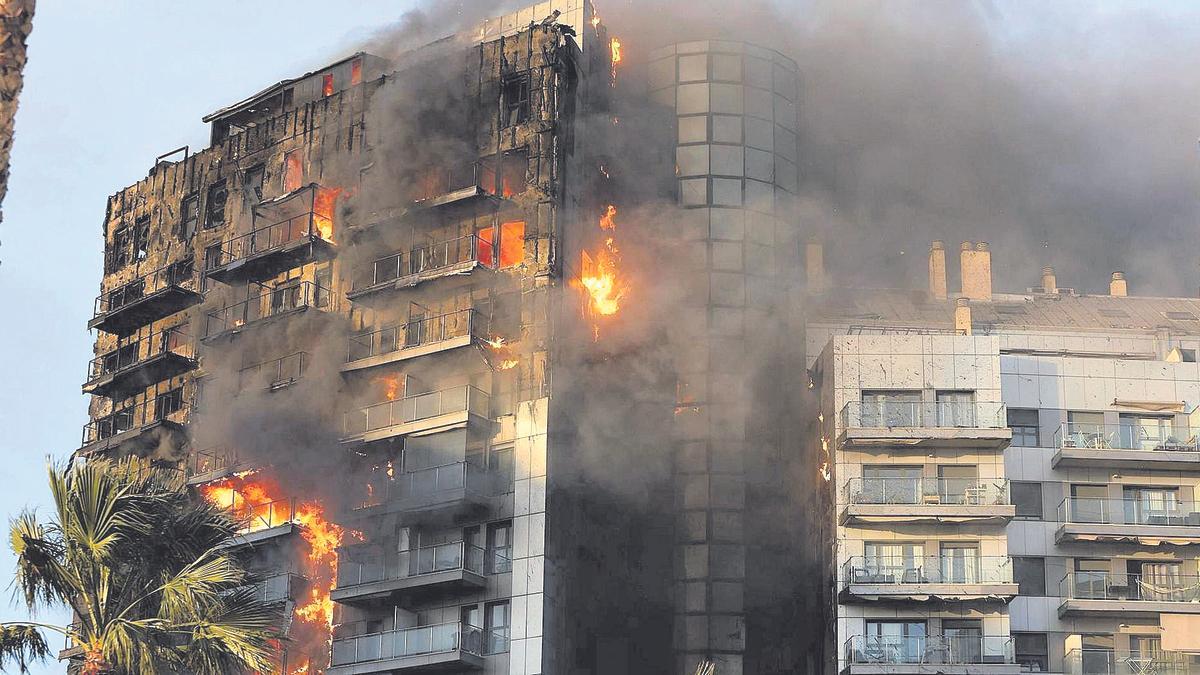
{"x": 429, "y": 258}
{"x": 358, "y": 567}
{"x": 1165, "y": 586}
{"x": 426, "y": 483}
{"x": 889, "y": 414}
{"x": 1180, "y": 438}
{"x": 944, "y": 569}
{"x": 271, "y": 303}
{"x": 930, "y": 491}
{"x": 278, "y": 587}
{"x": 180, "y": 274}
{"x": 1129, "y": 662}
{"x": 402, "y": 643}
{"x": 415, "y": 408}
{"x": 297, "y": 216}
{"x": 171, "y": 340}
{"x": 167, "y": 406}
{"x": 1096, "y": 510}
{"x": 273, "y": 374}
{"x": 211, "y": 460}
{"x": 418, "y": 333}
{"x": 930, "y": 649}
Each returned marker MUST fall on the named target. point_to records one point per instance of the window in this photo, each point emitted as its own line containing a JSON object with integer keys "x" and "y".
{"x": 217, "y": 194}
{"x": 891, "y": 408}
{"x": 956, "y": 408}
{"x": 293, "y": 170}
{"x": 323, "y": 279}
{"x": 356, "y": 72}
{"x": 1089, "y": 504}
{"x": 1027, "y": 497}
{"x": 512, "y": 243}
{"x": 960, "y": 562}
{"x": 894, "y": 642}
{"x": 500, "y": 465}
{"x": 1030, "y": 575}
{"x": 885, "y": 484}
{"x": 514, "y": 100}
{"x": 1187, "y": 355}
{"x": 499, "y": 547}
{"x": 189, "y": 216}
{"x": 285, "y": 298}
{"x": 1180, "y": 316}
{"x": 119, "y": 252}
{"x": 1144, "y": 432}
{"x": 957, "y": 483}
{"x": 512, "y": 172}
{"x": 181, "y": 272}
{"x": 964, "y": 638}
{"x": 497, "y": 617}
{"x": 253, "y": 184}
{"x": 167, "y": 403}
{"x": 1033, "y": 652}
{"x": 1024, "y": 424}
{"x": 141, "y": 238}
{"x": 327, "y": 84}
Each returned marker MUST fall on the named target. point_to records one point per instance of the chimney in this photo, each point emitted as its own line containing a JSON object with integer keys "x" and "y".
{"x": 1049, "y": 282}
{"x": 976, "y": 264}
{"x": 962, "y": 316}
{"x": 937, "y": 270}
{"x": 1118, "y": 287}
{"x": 814, "y": 264}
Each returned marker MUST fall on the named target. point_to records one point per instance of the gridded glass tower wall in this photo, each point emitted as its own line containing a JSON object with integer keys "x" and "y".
{"x": 736, "y": 165}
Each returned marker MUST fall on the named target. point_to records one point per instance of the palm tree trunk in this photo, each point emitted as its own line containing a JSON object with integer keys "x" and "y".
{"x": 16, "y": 21}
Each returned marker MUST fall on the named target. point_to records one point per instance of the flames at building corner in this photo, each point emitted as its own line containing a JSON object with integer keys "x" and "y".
{"x": 600, "y": 277}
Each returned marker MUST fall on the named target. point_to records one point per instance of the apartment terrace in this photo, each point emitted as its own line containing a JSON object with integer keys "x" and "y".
{"x": 915, "y": 500}
{"x": 446, "y": 646}
{"x": 431, "y": 492}
{"x": 139, "y": 363}
{"x": 1127, "y": 446}
{"x": 210, "y": 464}
{"x": 1125, "y": 662}
{"x": 140, "y": 425}
{"x": 148, "y": 298}
{"x": 422, "y": 337}
{"x": 1128, "y": 595}
{"x": 929, "y": 578}
{"x": 951, "y": 655}
{"x": 369, "y": 573}
{"x": 1128, "y": 520}
{"x": 458, "y": 256}
{"x": 271, "y": 303}
{"x": 416, "y": 413}
{"x": 882, "y": 424}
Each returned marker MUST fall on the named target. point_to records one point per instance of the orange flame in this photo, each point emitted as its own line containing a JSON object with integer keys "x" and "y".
{"x": 600, "y": 273}
{"x": 615, "y": 47}
{"x": 392, "y": 385}
{"x": 503, "y": 350}
{"x": 323, "y": 206}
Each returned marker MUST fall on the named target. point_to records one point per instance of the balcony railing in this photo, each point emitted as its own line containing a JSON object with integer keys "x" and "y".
{"x": 181, "y": 275}
{"x": 254, "y": 516}
{"x": 211, "y": 461}
{"x": 164, "y": 407}
{"x": 928, "y": 415}
{"x": 419, "y": 333}
{"x": 415, "y": 408}
{"x": 279, "y": 587}
{"x": 305, "y": 214}
{"x": 929, "y": 491}
{"x": 1164, "y": 587}
{"x": 945, "y": 569}
{"x": 402, "y": 643}
{"x": 426, "y": 259}
{"x": 273, "y": 374}
{"x": 931, "y": 650}
{"x": 128, "y": 356}
{"x": 427, "y": 483}
{"x": 1129, "y": 662}
{"x": 1096, "y": 510}
{"x": 372, "y": 567}
{"x": 443, "y": 182}
{"x": 272, "y": 303}
{"x": 1178, "y": 438}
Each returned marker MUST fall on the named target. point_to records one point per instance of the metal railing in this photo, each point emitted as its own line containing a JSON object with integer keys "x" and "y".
{"x": 181, "y": 274}
{"x": 927, "y": 415}
{"x": 168, "y": 406}
{"x": 255, "y": 516}
{"x": 284, "y": 229}
{"x": 1154, "y": 587}
{"x": 367, "y": 567}
{"x": 211, "y": 460}
{"x": 414, "y": 408}
{"x": 274, "y": 373}
{"x": 429, "y": 258}
{"x": 172, "y": 340}
{"x": 1128, "y": 511}
{"x": 442, "y": 182}
{"x": 1129, "y": 662}
{"x": 271, "y": 303}
{"x": 405, "y": 642}
{"x": 930, "y": 649}
{"x": 931, "y": 491}
{"x": 426, "y": 331}
{"x": 936, "y": 569}
{"x": 429, "y": 482}
{"x": 1179, "y": 438}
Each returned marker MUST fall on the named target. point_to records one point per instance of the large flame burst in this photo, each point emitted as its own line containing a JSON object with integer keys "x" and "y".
{"x": 323, "y": 205}
{"x": 259, "y": 503}
{"x": 600, "y": 273}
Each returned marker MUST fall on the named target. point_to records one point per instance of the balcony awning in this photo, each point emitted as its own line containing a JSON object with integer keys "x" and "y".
{"x": 1152, "y": 406}
{"x": 1139, "y": 539}
{"x": 920, "y": 518}
{"x": 927, "y": 597}
{"x": 1180, "y": 632}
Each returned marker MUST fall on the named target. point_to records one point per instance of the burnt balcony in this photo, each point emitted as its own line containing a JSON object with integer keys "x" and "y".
{"x": 140, "y": 363}
{"x": 447, "y": 646}
{"x": 948, "y": 654}
{"x": 275, "y": 374}
{"x": 421, "y": 337}
{"x": 1145, "y": 595}
{"x": 455, "y": 185}
{"x": 928, "y": 579}
{"x": 452, "y": 257}
{"x": 917, "y": 500}
{"x": 369, "y": 574}
{"x": 139, "y": 426}
{"x": 258, "y": 521}
{"x": 211, "y": 464}
{"x": 447, "y": 488}
{"x": 1129, "y": 662}
{"x": 928, "y": 424}
{"x": 277, "y": 302}
{"x": 1147, "y": 522}
{"x": 146, "y": 299}
{"x": 288, "y": 231}
{"x": 1127, "y": 446}
{"x": 416, "y": 413}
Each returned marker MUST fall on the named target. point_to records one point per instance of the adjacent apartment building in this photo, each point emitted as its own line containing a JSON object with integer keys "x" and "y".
{"x": 1011, "y": 477}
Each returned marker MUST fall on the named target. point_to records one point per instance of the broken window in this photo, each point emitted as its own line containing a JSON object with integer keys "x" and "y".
{"x": 189, "y": 216}
{"x": 512, "y": 243}
{"x": 253, "y": 184}
{"x": 118, "y": 253}
{"x": 515, "y": 100}
{"x": 141, "y": 238}
{"x": 324, "y": 281}
{"x": 168, "y": 402}
{"x": 181, "y": 272}
{"x": 285, "y": 298}
{"x": 217, "y": 194}
{"x": 512, "y": 172}
{"x": 485, "y": 244}
{"x": 355, "y": 72}
{"x": 293, "y": 170}
{"x": 327, "y": 85}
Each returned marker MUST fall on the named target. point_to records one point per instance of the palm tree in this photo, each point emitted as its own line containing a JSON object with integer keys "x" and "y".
{"x": 146, "y": 569}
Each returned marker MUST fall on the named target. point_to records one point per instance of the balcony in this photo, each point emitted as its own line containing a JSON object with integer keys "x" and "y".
{"x": 1127, "y": 446}
{"x": 1125, "y": 594}
{"x": 278, "y": 302}
{"x": 425, "y": 336}
{"x": 951, "y": 655}
{"x": 206, "y": 466}
{"x": 917, "y": 500}
{"x": 275, "y": 374}
{"x": 1124, "y": 662}
{"x": 299, "y": 230}
{"x": 371, "y": 574}
{"x": 459, "y": 256}
{"x": 140, "y": 426}
{"x": 258, "y": 521}
{"x": 279, "y": 588}
{"x": 432, "y": 491}
{"x": 447, "y": 646}
{"x": 458, "y": 184}
{"x": 1138, "y": 521}
{"x": 146, "y": 299}
{"x": 418, "y": 413}
{"x": 881, "y": 424}
{"x": 138, "y": 364}
{"x": 932, "y": 578}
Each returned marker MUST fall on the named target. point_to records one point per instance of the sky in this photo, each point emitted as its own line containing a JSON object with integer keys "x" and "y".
{"x": 108, "y": 87}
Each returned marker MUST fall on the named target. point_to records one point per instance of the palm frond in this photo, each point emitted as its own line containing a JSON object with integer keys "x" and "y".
{"x": 22, "y": 645}
{"x": 41, "y": 577}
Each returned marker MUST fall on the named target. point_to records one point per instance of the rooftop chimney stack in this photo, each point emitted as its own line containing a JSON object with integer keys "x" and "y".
{"x": 1049, "y": 281}
{"x": 937, "y": 270}
{"x": 1118, "y": 287}
{"x": 814, "y": 265}
{"x": 962, "y": 316}
{"x": 976, "y": 262}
